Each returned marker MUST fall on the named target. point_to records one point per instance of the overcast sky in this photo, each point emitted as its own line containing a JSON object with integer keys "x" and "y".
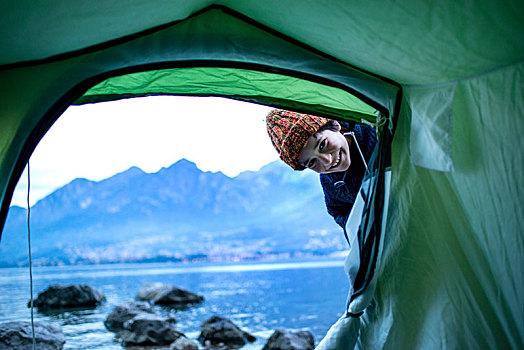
{"x": 97, "y": 141}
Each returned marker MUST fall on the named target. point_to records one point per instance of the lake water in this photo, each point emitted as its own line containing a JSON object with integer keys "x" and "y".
{"x": 258, "y": 297}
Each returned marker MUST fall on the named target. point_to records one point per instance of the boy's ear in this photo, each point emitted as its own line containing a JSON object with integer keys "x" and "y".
{"x": 336, "y": 124}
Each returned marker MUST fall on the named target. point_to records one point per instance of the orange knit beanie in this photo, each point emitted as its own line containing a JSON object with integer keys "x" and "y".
{"x": 289, "y": 133}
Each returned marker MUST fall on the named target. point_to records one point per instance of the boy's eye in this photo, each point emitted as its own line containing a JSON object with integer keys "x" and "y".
{"x": 322, "y": 145}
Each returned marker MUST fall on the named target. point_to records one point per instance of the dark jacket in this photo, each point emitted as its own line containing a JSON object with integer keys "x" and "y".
{"x": 339, "y": 200}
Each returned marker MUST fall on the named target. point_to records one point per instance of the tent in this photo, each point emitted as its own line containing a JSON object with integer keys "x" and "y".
{"x": 448, "y": 78}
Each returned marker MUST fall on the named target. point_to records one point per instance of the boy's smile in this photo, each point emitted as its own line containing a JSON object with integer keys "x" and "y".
{"x": 326, "y": 151}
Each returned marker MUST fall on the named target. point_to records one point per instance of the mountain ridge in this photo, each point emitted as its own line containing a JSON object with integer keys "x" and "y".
{"x": 174, "y": 214}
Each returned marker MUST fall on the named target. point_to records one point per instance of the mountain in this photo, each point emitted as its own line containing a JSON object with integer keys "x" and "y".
{"x": 178, "y": 213}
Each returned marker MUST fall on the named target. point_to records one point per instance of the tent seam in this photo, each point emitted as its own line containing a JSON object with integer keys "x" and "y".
{"x": 468, "y": 77}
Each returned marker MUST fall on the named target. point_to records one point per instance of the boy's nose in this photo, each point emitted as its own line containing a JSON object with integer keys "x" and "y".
{"x": 325, "y": 159}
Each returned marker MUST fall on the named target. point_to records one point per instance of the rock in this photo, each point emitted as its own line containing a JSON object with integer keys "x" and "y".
{"x": 149, "y": 329}
{"x": 286, "y": 339}
{"x": 68, "y": 297}
{"x": 124, "y": 312}
{"x": 162, "y": 294}
{"x": 150, "y": 291}
{"x": 18, "y": 335}
{"x": 184, "y": 343}
{"x": 217, "y": 330}
{"x": 178, "y": 298}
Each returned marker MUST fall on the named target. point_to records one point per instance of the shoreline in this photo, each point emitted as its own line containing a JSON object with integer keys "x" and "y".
{"x": 169, "y": 268}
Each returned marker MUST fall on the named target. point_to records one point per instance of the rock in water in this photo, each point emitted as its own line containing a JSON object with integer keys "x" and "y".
{"x": 124, "y": 312}
{"x": 217, "y": 330}
{"x": 147, "y": 329}
{"x": 18, "y": 335}
{"x": 286, "y": 339}
{"x": 178, "y": 298}
{"x": 183, "y": 343}
{"x": 152, "y": 290}
{"x": 162, "y": 294}
{"x": 68, "y": 297}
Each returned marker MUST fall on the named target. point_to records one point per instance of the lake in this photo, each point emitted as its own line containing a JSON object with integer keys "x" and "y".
{"x": 259, "y": 297}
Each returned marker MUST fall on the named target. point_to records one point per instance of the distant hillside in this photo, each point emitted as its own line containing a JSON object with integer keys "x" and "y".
{"x": 178, "y": 213}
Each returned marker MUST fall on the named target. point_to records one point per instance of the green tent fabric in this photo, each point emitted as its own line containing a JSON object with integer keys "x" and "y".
{"x": 449, "y": 77}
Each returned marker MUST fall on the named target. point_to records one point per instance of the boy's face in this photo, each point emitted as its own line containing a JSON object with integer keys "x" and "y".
{"x": 325, "y": 152}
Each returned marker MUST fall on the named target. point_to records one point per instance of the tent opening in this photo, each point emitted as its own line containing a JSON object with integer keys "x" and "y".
{"x": 72, "y": 220}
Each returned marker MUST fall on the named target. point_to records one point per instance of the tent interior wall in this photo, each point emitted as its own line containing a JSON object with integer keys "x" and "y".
{"x": 452, "y": 74}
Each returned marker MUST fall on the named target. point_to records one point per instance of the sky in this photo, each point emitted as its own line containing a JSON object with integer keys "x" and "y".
{"x": 96, "y": 141}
